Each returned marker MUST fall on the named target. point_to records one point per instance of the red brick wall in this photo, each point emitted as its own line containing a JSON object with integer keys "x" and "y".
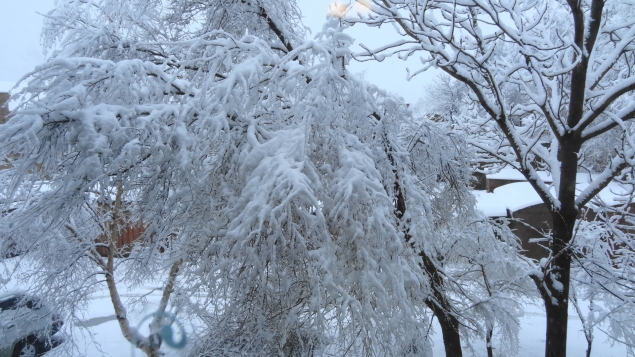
{"x": 129, "y": 235}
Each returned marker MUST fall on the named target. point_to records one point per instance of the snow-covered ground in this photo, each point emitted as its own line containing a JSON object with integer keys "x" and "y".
{"x": 107, "y": 338}
{"x": 532, "y": 338}
{"x": 509, "y": 173}
{"x": 97, "y": 332}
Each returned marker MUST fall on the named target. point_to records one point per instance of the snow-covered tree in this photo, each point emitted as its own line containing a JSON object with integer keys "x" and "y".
{"x": 602, "y": 273}
{"x": 443, "y": 99}
{"x": 252, "y": 161}
{"x": 306, "y": 207}
{"x": 550, "y": 80}
{"x": 476, "y": 276}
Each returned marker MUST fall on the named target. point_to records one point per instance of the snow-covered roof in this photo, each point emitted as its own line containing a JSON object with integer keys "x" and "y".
{"x": 509, "y": 173}
{"x": 512, "y": 174}
{"x": 513, "y": 196}
{"x": 518, "y": 195}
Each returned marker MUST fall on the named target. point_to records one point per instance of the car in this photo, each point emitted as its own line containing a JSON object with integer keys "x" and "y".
{"x": 28, "y": 327}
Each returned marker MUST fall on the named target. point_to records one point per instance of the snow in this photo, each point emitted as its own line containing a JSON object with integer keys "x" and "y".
{"x": 96, "y": 331}
{"x": 509, "y": 173}
{"x": 513, "y": 196}
{"x": 490, "y": 204}
{"x": 518, "y": 195}
{"x": 99, "y": 322}
{"x": 512, "y": 174}
{"x": 558, "y": 285}
{"x": 265, "y": 179}
{"x": 613, "y": 194}
{"x": 532, "y": 338}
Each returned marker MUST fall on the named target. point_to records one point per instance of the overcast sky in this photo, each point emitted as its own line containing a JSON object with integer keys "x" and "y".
{"x": 20, "y": 49}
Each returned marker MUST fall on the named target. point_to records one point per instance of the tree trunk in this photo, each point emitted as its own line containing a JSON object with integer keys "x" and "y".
{"x": 450, "y": 331}
{"x": 557, "y": 319}
{"x": 488, "y": 341}
{"x": 438, "y": 303}
{"x": 442, "y": 309}
{"x": 131, "y": 334}
{"x": 554, "y": 287}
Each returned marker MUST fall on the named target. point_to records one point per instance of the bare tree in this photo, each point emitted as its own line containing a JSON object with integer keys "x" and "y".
{"x": 549, "y": 77}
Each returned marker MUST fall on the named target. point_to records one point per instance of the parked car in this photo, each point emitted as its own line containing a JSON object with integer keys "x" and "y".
{"x": 28, "y": 327}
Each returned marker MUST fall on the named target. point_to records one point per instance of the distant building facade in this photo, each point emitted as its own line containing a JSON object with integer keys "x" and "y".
{"x": 509, "y": 195}
{"x": 129, "y": 234}
{"x": 4, "y": 107}
{"x": 4, "y": 116}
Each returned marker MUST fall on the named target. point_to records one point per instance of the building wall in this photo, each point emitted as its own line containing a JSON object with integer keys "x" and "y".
{"x": 126, "y": 238}
{"x": 4, "y": 116}
{"x": 535, "y": 222}
{"x": 4, "y": 107}
{"x": 531, "y": 223}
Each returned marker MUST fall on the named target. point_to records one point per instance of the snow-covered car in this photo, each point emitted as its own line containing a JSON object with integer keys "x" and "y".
{"x": 28, "y": 327}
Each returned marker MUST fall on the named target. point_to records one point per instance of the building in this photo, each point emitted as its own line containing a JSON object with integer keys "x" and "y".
{"x": 517, "y": 200}
{"x": 509, "y": 195}
{"x": 4, "y": 116}
{"x": 129, "y": 234}
{"x": 4, "y": 107}
{"x": 508, "y": 175}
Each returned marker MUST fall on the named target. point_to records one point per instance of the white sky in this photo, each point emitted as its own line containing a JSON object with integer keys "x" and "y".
{"x": 20, "y": 49}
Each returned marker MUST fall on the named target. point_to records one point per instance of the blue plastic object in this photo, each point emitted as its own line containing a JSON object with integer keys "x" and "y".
{"x": 166, "y": 333}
